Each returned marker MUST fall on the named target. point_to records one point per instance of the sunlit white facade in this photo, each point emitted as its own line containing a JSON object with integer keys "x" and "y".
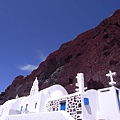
{"x": 54, "y": 103}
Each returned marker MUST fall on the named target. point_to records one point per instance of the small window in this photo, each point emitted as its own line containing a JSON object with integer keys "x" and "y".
{"x": 35, "y": 105}
{"x": 63, "y": 106}
{"x": 21, "y": 108}
{"x": 86, "y": 101}
{"x": 105, "y": 90}
{"x": 26, "y": 107}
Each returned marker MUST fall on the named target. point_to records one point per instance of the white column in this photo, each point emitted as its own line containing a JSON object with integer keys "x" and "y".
{"x": 80, "y": 82}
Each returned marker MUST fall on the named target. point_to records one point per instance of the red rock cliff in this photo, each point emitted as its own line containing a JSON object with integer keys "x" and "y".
{"x": 93, "y": 52}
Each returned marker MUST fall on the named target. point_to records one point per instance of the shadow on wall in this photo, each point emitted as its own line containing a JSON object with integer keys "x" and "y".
{"x": 94, "y": 84}
{"x": 88, "y": 108}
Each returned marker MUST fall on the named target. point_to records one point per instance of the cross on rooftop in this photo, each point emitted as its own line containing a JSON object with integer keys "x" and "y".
{"x": 111, "y": 74}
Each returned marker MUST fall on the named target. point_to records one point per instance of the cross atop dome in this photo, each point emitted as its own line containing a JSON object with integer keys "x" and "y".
{"x": 111, "y": 74}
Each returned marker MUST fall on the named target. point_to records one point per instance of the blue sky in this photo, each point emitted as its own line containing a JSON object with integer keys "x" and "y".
{"x": 32, "y": 29}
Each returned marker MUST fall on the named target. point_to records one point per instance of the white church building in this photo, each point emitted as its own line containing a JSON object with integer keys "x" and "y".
{"x": 54, "y": 103}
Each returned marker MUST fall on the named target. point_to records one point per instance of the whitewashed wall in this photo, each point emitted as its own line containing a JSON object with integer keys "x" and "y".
{"x": 108, "y": 103}
{"x": 90, "y": 111}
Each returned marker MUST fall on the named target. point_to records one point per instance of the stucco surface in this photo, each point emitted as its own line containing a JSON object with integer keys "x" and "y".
{"x": 42, "y": 116}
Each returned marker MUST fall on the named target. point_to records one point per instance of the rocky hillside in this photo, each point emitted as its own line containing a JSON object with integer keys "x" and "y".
{"x": 93, "y": 52}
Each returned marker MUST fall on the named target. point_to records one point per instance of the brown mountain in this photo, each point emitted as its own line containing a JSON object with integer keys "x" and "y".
{"x": 93, "y": 52}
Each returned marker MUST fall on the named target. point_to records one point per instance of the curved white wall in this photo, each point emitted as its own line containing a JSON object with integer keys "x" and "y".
{"x": 51, "y": 93}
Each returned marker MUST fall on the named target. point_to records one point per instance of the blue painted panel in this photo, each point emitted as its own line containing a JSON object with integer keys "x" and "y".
{"x": 86, "y": 101}
{"x": 63, "y": 106}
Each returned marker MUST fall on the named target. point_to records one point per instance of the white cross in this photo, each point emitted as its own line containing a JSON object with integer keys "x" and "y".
{"x": 111, "y": 74}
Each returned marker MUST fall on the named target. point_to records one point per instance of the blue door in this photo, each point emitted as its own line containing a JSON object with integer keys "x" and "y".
{"x": 63, "y": 106}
